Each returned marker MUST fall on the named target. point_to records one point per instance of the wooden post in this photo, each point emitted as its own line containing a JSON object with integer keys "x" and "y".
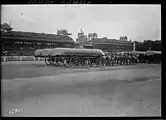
{"x": 20, "y": 58}
{"x": 134, "y": 46}
{"x": 34, "y": 58}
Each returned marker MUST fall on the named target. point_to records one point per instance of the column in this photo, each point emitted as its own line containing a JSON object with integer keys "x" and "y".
{"x": 20, "y": 58}
{"x": 134, "y": 46}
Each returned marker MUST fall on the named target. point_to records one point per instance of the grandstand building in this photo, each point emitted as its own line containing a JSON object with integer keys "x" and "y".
{"x": 111, "y": 45}
{"x": 105, "y": 44}
{"x": 82, "y": 38}
{"x": 25, "y": 43}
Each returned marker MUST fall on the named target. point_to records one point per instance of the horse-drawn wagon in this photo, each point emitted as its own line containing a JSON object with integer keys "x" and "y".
{"x": 71, "y": 57}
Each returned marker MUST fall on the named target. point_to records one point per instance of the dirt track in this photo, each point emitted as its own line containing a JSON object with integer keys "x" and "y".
{"x": 11, "y": 70}
{"x": 118, "y": 91}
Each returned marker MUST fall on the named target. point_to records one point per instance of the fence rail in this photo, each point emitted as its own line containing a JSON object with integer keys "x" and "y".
{"x": 21, "y": 58}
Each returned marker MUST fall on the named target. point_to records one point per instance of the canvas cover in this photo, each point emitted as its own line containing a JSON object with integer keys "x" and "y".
{"x": 42, "y": 52}
{"x": 68, "y": 51}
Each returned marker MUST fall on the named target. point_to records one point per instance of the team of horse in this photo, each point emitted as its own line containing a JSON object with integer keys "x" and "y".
{"x": 107, "y": 60}
{"x": 126, "y": 59}
{"x": 118, "y": 59}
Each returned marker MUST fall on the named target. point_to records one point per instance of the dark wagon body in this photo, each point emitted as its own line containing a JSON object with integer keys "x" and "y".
{"x": 149, "y": 56}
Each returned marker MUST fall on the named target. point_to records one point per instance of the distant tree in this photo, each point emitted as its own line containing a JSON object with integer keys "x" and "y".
{"x": 92, "y": 35}
{"x": 95, "y": 35}
{"x": 6, "y": 27}
{"x": 156, "y": 45}
{"x": 89, "y": 36}
{"x": 63, "y": 32}
{"x": 148, "y": 44}
{"x": 125, "y": 37}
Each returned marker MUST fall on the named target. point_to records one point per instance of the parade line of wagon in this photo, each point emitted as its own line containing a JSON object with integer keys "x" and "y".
{"x": 73, "y": 57}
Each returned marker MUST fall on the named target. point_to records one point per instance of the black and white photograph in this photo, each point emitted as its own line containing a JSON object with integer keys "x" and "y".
{"x": 81, "y": 60}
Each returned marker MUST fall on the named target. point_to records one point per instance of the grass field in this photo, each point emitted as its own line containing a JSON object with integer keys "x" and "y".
{"x": 40, "y": 90}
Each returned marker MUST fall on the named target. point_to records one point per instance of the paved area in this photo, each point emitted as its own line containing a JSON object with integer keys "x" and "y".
{"x": 49, "y": 91}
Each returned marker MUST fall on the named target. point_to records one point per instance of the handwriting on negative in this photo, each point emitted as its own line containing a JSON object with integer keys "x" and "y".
{"x": 59, "y": 2}
{"x": 15, "y": 110}
{"x": 41, "y": 2}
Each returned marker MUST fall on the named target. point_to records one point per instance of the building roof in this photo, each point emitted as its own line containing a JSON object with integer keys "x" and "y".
{"x": 35, "y": 36}
{"x": 37, "y": 39}
{"x": 107, "y": 41}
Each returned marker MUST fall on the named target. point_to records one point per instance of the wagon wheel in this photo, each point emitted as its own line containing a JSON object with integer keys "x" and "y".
{"x": 92, "y": 62}
{"x": 82, "y": 62}
{"x": 85, "y": 62}
{"x": 48, "y": 60}
{"x": 104, "y": 61}
{"x": 58, "y": 62}
{"x": 89, "y": 63}
{"x": 67, "y": 62}
{"x": 55, "y": 62}
{"x": 98, "y": 62}
{"x": 64, "y": 62}
{"x": 75, "y": 61}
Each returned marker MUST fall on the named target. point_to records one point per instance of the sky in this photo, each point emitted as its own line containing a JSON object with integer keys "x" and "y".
{"x": 137, "y": 22}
